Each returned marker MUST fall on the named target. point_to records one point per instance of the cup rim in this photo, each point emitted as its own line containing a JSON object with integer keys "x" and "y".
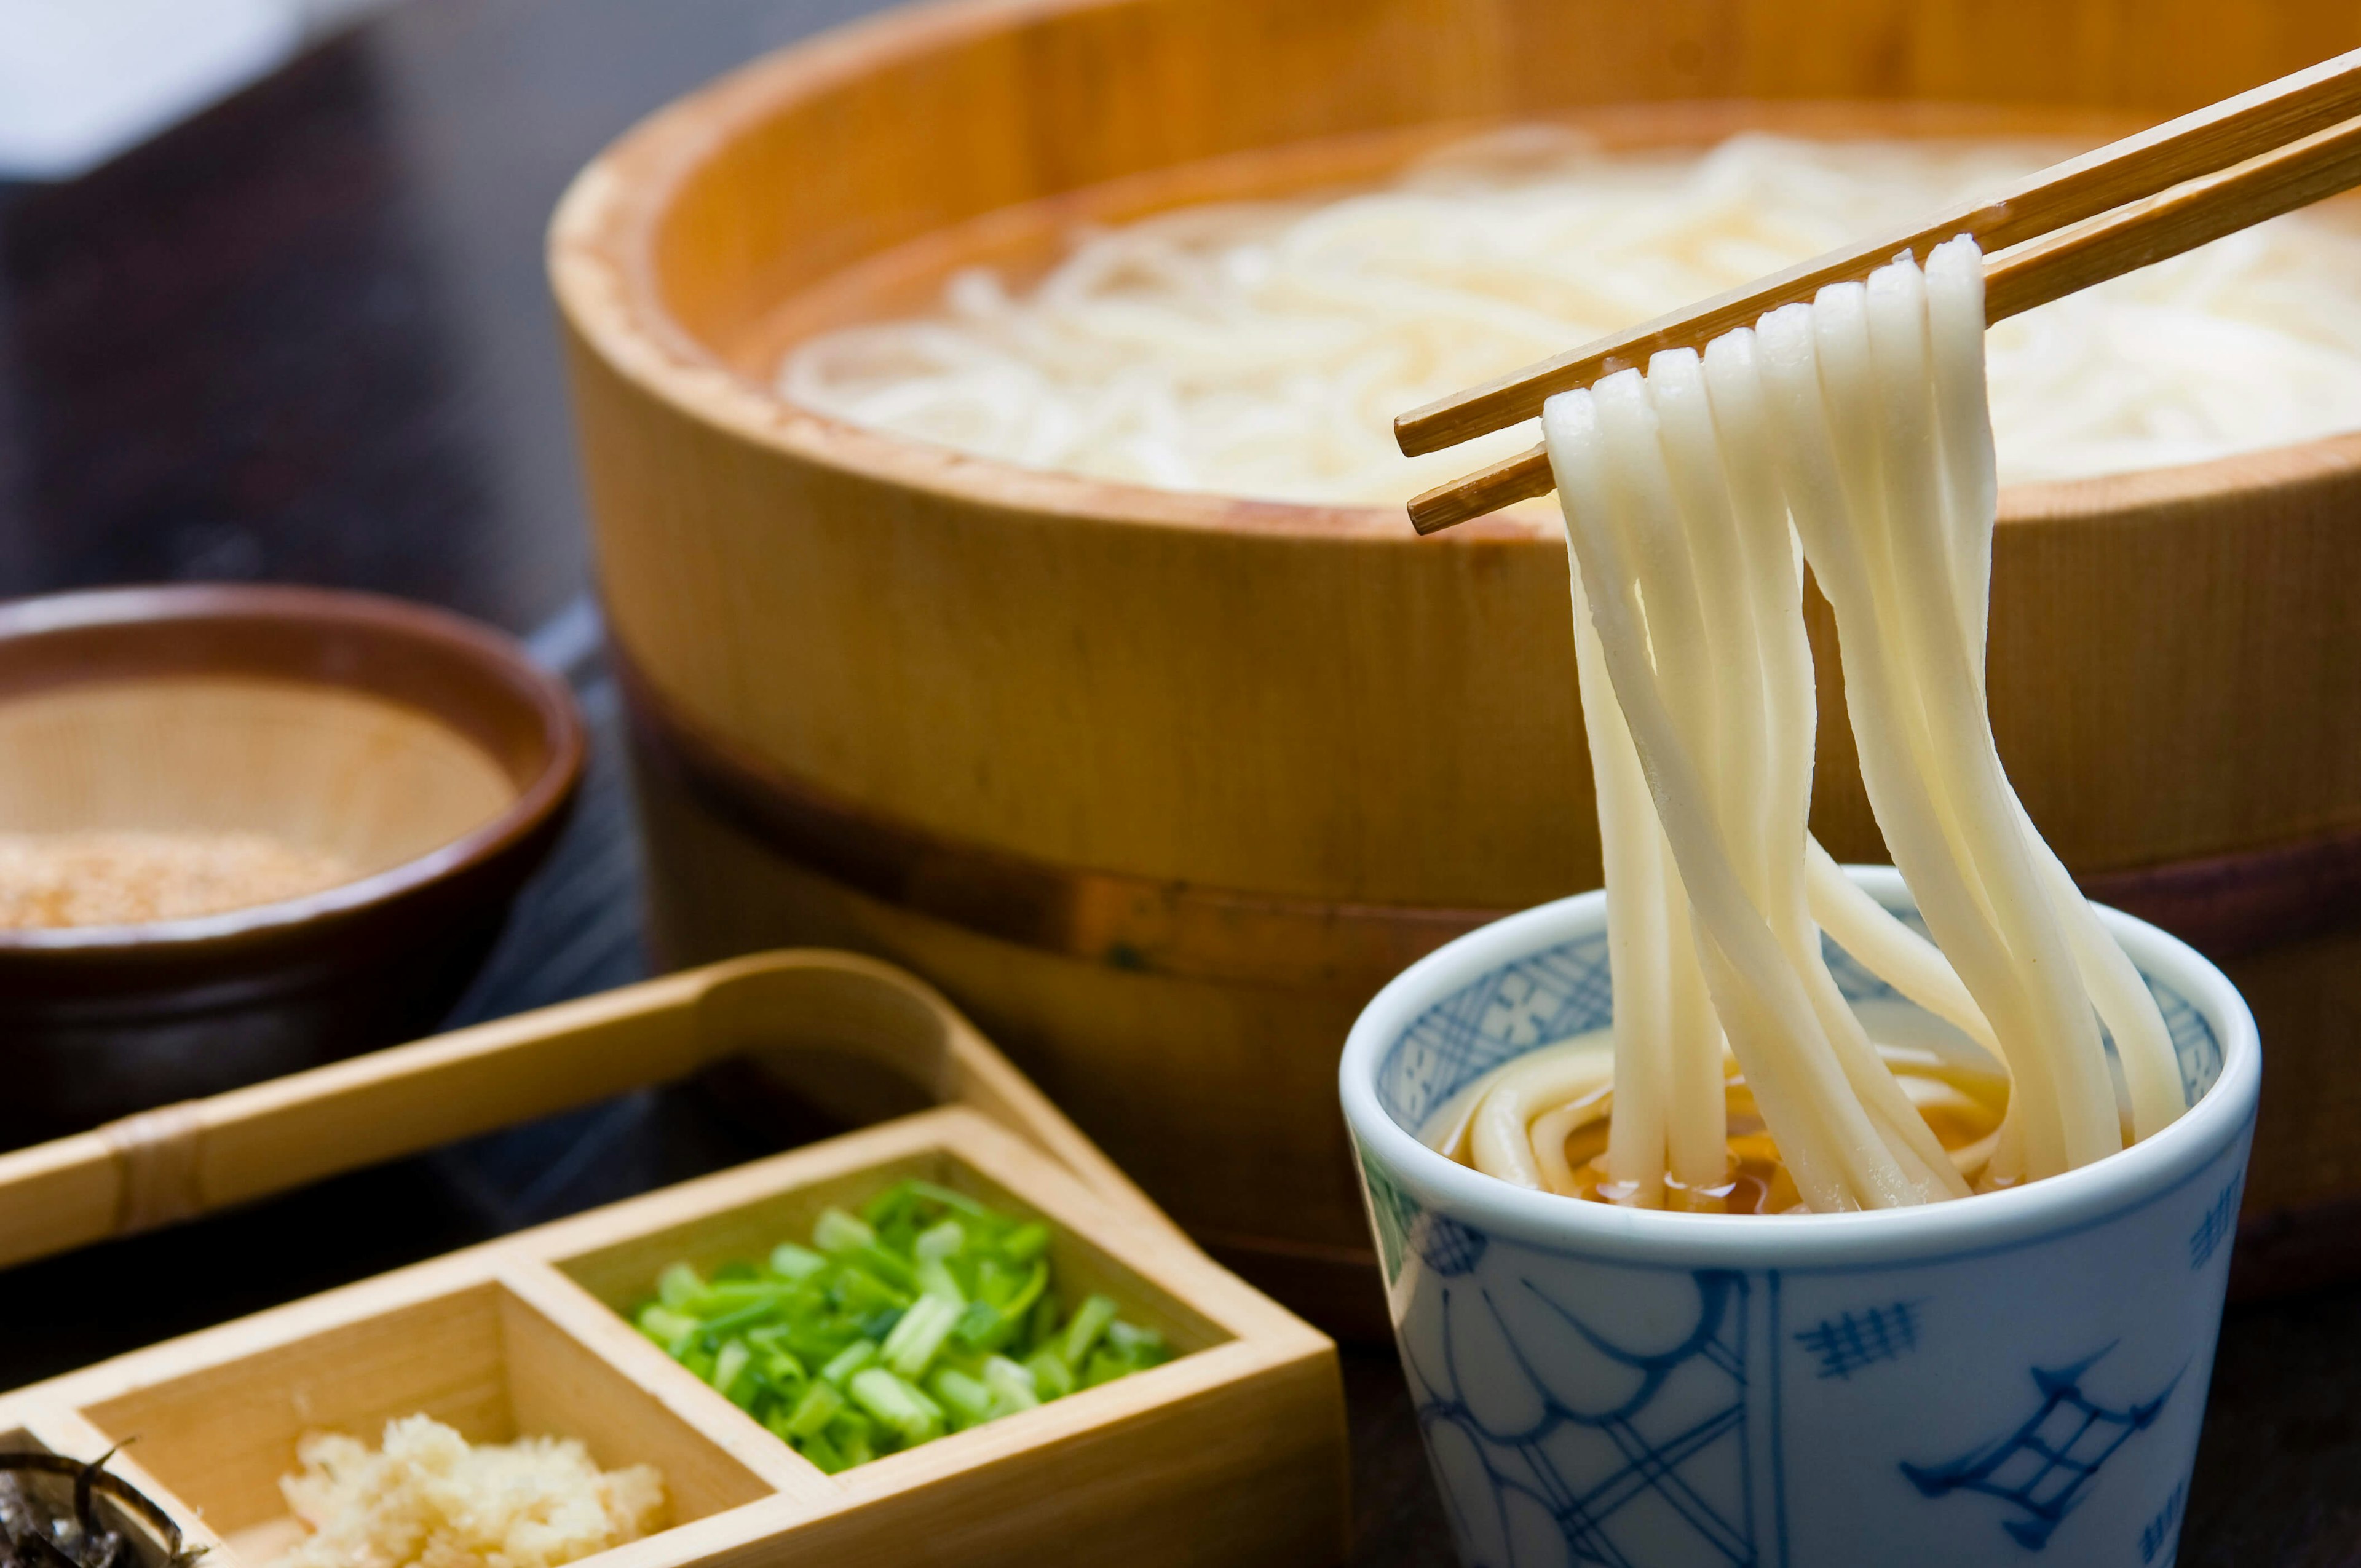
{"x": 2057, "y": 1206}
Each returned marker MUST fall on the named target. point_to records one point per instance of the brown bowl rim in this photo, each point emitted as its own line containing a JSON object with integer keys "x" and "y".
{"x": 601, "y": 269}
{"x": 510, "y": 667}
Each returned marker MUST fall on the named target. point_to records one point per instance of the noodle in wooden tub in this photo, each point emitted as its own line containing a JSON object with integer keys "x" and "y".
{"x": 1260, "y": 348}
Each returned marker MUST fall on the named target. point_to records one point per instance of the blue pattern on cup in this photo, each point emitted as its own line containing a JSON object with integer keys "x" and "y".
{"x": 1581, "y": 1408}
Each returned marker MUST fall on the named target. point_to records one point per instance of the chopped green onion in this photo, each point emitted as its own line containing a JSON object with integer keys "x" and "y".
{"x": 855, "y": 1288}
{"x": 965, "y": 1399}
{"x": 781, "y": 1366}
{"x": 812, "y": 1413}
{"x": 1102, "y": 1367}
{"x": 728, "y": 1371}
{"x": 1010, "y": 1385}
{"x": 1003, "y": 1375}
{"x": 958, "y": 1202}
{"x": 725, "y": 1324}
{"x": 939, "y": 1240}
{"x": 934, "y": 1278}
{"x": 984, "y": 1326}
{"x": 981, "y": 1327}
{"x": 852, "y": 1432}
{"x": 1083, "y": 1331}
{"x": 789, "y": 1261}
{"x": 840, "y": 1232}
{"x": 849, "y": 1361}
{"x": 664, "y": 1325}
{"x": 912, "y": 1345}
{"x": 679, "y": 1286}
{"x": 1026, "y": 1242}
{"x": 927, "y": 1312}
{"x": 910, "y": 1413}
{"x": 1042, "y": 1325}
{"x": 1052, "y": 1378}
{"x": 730, "y": 1295}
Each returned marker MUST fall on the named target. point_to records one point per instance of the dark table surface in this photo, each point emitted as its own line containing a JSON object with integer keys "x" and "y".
{"x": 305, "y": 338}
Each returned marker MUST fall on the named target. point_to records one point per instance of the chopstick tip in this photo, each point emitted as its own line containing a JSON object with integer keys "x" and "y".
{"x": 1505, "y": 483}
{"x": 1411, "y": 435}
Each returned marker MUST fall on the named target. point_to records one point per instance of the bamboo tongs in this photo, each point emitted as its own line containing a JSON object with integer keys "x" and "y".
{"x": 2168, "y": 188}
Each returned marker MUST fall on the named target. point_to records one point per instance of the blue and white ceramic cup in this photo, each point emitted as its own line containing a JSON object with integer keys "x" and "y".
{"x": 2016, "y": 1377}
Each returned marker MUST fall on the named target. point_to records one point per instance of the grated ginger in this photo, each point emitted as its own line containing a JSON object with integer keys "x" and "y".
{"x": 433, "y": 1500}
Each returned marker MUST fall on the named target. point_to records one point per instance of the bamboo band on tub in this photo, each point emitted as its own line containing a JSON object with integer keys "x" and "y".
{"x": 2224, "y": 905}
{"x": 156, "y": 1161}
{"x": 1106, "y": 918}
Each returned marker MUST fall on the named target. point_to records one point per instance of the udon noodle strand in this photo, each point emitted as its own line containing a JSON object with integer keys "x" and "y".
{"x": 1890, "y": 949}
{"x": 1904, "y": 557}
{"x": 1783, "y": 717}
{"x": 1640, "y": 952}
{"x": 1636, "y": 555}
{"x": 1910, "y": 805}
{"x": 1955, "y": 332}
{"x": 1500, "y": 1135}
{"x": 1850, "y": 433}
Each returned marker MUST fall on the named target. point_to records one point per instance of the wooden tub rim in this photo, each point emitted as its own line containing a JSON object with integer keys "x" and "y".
{"x": 602, "y": 273}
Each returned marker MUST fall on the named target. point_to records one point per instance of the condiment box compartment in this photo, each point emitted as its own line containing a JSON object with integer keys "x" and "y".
{"x": 1233, "y": 1451}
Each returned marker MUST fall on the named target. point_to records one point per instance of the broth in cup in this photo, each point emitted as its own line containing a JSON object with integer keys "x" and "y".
{"x": 1962, "y": 1102}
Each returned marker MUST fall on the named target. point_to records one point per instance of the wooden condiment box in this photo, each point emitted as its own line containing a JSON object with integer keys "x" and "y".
{"x": 1232, "y": 1452}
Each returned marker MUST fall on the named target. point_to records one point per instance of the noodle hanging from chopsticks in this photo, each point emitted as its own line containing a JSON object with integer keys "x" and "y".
{"x": 1850, "y": 433}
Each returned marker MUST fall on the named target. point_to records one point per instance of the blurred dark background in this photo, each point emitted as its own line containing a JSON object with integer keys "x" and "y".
{"x": 304, "y": 335}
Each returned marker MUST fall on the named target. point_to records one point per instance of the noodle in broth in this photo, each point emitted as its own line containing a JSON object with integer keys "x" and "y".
{"x": 1850, "y": 433}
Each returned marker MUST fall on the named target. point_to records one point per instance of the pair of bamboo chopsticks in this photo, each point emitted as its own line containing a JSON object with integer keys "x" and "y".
{"x": 2264, "y": 152}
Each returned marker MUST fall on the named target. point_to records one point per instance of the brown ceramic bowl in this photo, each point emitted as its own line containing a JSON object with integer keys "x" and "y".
{"x": 423, "y": 751}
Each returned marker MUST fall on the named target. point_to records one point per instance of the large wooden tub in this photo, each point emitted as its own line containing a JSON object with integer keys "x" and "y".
{"x": 1161, "y": 787}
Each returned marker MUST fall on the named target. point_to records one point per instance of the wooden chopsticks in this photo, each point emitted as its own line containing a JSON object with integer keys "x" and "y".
{"x": 2264, "y": 152}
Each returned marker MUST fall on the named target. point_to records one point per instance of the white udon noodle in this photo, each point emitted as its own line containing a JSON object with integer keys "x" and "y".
{"x": 1262, "y": 349}
{"x": 1850, "y": 433}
